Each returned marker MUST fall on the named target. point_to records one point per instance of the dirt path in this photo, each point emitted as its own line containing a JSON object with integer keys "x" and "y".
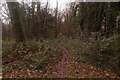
{"x": 69, "y": 68}
{"x": 61, "y": 67}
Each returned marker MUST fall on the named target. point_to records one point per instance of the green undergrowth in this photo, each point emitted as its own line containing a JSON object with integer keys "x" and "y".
{"x": 33, "y": 55}
{"x": 101, "y": 52}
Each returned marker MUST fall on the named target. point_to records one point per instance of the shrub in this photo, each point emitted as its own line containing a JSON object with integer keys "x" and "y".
{"x": 106, "y": 53}
{"x": 33, "y": 54}
{"x": 103, "y": 52}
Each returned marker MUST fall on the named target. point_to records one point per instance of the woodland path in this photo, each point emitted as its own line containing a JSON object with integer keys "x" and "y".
{"x": 68, "y": 68}
{"x": 61, "y": 68}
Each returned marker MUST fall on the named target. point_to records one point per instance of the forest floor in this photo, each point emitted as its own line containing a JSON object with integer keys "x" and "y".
{"x": 66, "y": 67}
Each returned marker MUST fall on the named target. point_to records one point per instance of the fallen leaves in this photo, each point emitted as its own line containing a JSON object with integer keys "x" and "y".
{"x": 66, "y": 67}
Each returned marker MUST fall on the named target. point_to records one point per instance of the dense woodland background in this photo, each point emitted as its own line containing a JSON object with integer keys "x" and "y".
{"x": 90, "y": 30}
{"x": 35, "y": 20}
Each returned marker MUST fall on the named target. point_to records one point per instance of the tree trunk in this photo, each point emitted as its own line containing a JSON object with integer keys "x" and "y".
{"x": 56, "y": 22}
{"x": 15, "y": 20}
